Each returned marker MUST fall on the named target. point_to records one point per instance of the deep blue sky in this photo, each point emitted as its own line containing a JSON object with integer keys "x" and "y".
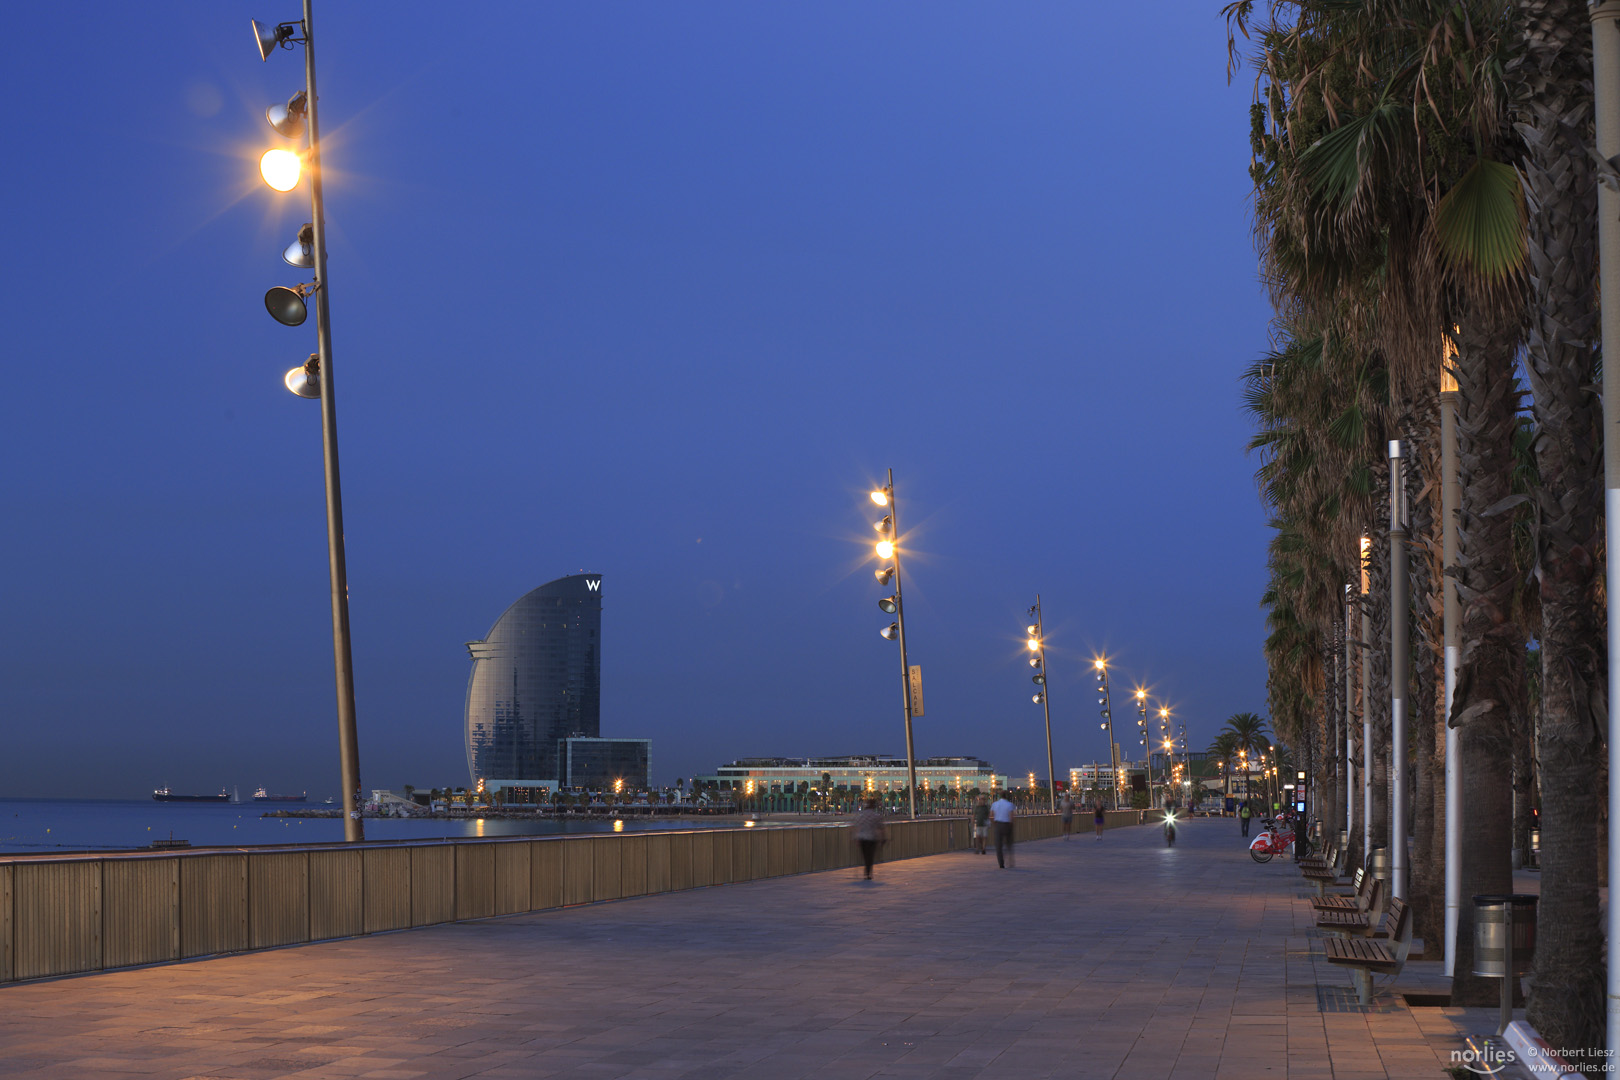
{"x": 647, "y": 289}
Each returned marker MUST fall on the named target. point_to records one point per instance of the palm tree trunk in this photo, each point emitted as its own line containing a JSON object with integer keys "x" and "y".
{"x": 1428, "y": 891}
{"x": 1567, "y": 987}
{"x": 1491, "y": 668}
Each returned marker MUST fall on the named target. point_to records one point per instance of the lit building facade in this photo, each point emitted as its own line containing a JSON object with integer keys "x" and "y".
{"x": 860, "y": 772}
{"x": 536, "y": 681}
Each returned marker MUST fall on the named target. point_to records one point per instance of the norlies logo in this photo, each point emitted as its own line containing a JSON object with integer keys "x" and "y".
{"x": 593, "y": 584}
{"x": 1488, "y": 1060}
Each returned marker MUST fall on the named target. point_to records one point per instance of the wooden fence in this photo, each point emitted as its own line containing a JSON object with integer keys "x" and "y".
{"x": 66, "y": 914}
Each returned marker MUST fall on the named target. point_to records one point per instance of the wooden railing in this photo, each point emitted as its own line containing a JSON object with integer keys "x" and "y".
{"x": 65, "y": 914}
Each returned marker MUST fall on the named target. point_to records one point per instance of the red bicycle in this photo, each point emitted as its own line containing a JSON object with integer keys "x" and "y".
{"x": 1274, "y": 839}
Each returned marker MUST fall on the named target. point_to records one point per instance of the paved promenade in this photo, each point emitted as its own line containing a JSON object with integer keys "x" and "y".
{"x": 1116, "y": 959}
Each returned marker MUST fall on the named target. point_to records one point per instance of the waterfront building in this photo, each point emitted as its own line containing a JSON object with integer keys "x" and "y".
{"x": 536, "y": 681}
{"x": 603, "y": 764}
{"x": 868, "y": 772}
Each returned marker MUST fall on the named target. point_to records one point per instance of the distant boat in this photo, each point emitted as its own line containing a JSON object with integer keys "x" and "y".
{"x": 263, "y": 795}
{"x": 163, "y": 794}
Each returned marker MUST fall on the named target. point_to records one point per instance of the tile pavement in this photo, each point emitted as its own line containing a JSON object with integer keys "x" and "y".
{"x": 1116, "y": 959}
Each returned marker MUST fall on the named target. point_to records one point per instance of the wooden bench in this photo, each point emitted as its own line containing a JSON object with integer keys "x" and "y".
{"x": 1323, "y": 870}
{"x": 1365, "y": 955}
{"x": 1346, "y": 921}
{"x": 1360, "y": 900}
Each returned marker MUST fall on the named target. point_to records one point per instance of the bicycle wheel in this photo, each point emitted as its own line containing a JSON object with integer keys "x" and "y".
{"x": 1259, "y": 856}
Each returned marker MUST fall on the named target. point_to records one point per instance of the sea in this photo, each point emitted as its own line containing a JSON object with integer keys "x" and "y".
{"x": 61, "y": 826}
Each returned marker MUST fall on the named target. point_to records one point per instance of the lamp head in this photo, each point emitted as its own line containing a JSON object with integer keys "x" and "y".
{"x": 885, "y": 549}
{"x": 301, "y": 252}
{"x": 287, "y": 306}
{"x": 891, "y": 632}
{"x": 881, "y": 498}
{"x": 269, "y": 38}
{"x": 1038, "y": 698}
{"x": 288, "y": 119}
{"x": 305, "y": 380}
{"x": 1038, "y": 679}
{"x": 280, "y": 168}
{"x": 889, "y": 604}
{"x": 883, "y": 574}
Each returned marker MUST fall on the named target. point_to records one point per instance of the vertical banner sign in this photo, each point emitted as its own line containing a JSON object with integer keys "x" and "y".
{"x": 915, "y": 673}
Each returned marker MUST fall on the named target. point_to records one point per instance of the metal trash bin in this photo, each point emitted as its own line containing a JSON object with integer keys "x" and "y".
{"x": 1494, "y": 916}
{"x": 1504, "y": 943}
{"x": 1378, "y": 864}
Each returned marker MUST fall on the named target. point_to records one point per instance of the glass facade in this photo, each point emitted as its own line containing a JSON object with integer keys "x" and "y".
{"x": 597, "y": 763}
{"x": 536, "y": 680}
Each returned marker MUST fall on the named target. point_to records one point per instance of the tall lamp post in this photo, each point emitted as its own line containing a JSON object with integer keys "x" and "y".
{"x": 313, "y": 379}
{"x": 1107, "y": 710}
{"x": 1142, "y": 723}
{"x": 1037, "y": 646}
{"x": 888, "y": 553}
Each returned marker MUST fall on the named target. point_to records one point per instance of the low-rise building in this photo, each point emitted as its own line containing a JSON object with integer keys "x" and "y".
{"x": 860, "y": 772}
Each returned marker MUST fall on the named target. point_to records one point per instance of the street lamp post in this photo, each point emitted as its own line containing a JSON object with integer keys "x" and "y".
{"x": 1147, "y": 745}
{"x": 1105, "y": 701}
{"x": 1037, "y": 645}
{"x": 1399, "y": 661}
{"x": 298, "y": 380}
{"x": 888, "y": 552}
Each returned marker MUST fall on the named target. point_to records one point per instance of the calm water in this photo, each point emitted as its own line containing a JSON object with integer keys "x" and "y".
{"x": 45, "y": 826}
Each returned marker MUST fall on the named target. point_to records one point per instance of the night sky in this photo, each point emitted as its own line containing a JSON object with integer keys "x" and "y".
{"x": 651, "y": 290}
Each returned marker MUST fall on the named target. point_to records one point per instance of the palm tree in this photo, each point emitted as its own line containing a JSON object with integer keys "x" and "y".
{"x": 1552, "y": 103}
{"x": 1381, "y": 185}
{"x": 1248, "y": 732}
{"x": 1223, "y": 749}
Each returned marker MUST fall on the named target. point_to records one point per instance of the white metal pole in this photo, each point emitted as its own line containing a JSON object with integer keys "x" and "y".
{"x": 1399, "y": 661}
{"x": 1349, "y": 737}
{"x": 1366, "y": 711}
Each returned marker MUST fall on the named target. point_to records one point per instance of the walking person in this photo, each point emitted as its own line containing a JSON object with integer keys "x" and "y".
{"x": 1001, "y": 812}
{"x": 981, "y": 823}
{"x": 1243, "y": 815}
{"x": 869, "y": 833}
{"x": 1066, "y": 808}
{"x": 1101, "y": 819}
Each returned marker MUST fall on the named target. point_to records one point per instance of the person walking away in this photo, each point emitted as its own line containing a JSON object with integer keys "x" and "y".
{"x": 1066, "y": 807}
{"x": 981, "y": 823}
{"x": 1100, "y": 818}
{"x": 1243, "y": 815}
{"x": 1001, "y": 813}
{"x": 869, "y": 833}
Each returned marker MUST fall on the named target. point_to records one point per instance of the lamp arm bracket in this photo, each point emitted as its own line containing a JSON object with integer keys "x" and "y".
{"x": 287, "y": 34}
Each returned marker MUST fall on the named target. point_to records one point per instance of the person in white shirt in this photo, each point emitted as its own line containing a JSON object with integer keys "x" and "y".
{"x": 1001, "y": 814}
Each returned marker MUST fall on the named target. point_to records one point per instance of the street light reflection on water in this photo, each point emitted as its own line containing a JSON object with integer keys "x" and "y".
{"x": 618, "y": 825}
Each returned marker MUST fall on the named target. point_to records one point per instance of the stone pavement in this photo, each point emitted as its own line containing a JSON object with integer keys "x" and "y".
{"x": 1116, "y": 959}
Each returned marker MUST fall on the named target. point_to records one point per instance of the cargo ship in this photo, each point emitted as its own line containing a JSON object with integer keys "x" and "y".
{"x": 263, "y": 795}
{"x": 163, "y": 794}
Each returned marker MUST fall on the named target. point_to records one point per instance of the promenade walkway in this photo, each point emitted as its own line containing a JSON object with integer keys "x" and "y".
{"x": 1113, "y": 959}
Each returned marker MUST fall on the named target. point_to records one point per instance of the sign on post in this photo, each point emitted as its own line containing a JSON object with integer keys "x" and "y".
{"x": 915, "y": 674}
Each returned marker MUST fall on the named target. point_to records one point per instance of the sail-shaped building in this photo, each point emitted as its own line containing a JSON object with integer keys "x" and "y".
{"x": 536, "y": 680}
